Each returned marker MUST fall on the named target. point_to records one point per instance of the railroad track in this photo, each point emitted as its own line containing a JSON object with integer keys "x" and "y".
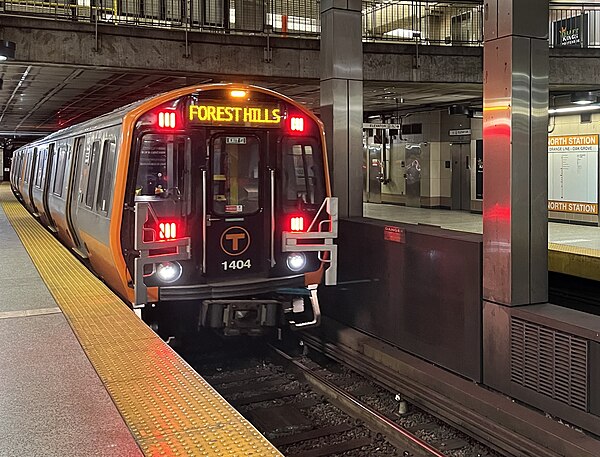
{"x": 307, "y": 409}
{"x": 576, "y": 293}
{"x": 481, "y": 426}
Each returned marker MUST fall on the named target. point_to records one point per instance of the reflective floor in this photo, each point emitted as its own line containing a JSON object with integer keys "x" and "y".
{"x": 569, "y": 234}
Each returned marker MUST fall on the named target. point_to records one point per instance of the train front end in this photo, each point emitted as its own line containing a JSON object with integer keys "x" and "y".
{"x": 228, "y": 210}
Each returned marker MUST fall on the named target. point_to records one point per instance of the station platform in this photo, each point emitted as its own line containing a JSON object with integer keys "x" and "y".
{"x": 81, "y": 375}
{"x": 572, "y": 249}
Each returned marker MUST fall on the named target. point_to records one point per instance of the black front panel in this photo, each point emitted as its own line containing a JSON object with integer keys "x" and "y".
{"x": 236, "y": 205}
{"x": 229, "y": 168}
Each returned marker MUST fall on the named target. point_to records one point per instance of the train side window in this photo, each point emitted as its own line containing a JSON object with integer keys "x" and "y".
{"x": 41, "y": 166}
{"x": 106, "y": 176}
{"x": 36, "y": 168}
{"x": 18, "y": 169}
{"x": 59, "y": 171}
{"x": 27, "y": 166}
{"x": 303, "y": 173}
{"x": 32, "y": 171}
{"x": 93, "y": 175}
{"x": 33, "y": 164}
{"x": 21, "y": 165}
{"x": 50, "y": 167}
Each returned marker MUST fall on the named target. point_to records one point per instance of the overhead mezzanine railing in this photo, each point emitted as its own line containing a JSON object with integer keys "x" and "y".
{"x": 421, "y": 22}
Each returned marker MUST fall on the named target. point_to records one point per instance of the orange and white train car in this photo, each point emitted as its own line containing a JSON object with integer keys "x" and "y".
{"x": 215, "y": 198}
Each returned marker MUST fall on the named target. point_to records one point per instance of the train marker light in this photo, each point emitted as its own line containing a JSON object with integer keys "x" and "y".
{"x": 297, "y": 124}
{"x": 167, "y": 230}
{"x": 297, "y": 224}
{"x": 167, "y": 119}
{"x": 296, "y": 261}
{"x": 169, "y": 271}
{"x": 238, "y": 93}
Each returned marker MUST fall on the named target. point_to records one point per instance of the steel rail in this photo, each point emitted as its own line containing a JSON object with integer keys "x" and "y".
{"x": 479, "y": 427}
{"x": 357, "y": 409}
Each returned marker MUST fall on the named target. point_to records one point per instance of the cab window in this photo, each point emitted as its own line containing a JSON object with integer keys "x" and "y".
{"x": 235, "y": 174}
{"x": 302, "y": 174}
{"x": 162, "y": 166}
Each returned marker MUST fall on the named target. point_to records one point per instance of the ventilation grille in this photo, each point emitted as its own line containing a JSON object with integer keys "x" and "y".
{"x": 550, "y": 362}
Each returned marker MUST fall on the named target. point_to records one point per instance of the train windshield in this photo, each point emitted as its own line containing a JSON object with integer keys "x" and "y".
{"x": 235, "y": 174}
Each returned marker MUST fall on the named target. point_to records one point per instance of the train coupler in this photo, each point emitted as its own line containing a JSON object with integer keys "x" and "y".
{"x": 240, "y": 317}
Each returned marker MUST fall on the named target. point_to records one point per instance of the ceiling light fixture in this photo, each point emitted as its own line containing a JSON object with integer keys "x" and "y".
{"x": 7, "y": 50}
{"x": 573, "y": 109}
{"x": 583, "y": 98}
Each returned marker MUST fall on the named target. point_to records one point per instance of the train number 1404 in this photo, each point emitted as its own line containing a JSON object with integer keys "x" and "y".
{"x": 236, "y": 264}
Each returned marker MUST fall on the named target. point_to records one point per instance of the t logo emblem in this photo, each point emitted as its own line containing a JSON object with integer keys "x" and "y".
{"x": 235, "y": 241}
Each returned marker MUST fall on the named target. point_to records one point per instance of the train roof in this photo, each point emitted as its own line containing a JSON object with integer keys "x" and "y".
{"x": 116, "y": 116}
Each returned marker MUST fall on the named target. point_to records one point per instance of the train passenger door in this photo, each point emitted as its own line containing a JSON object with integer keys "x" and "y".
{"x": 74, "y": 193}
{"x": 31, "y": 171}
{"x": 236, "y": 207}
{"x": 46, "y": 188}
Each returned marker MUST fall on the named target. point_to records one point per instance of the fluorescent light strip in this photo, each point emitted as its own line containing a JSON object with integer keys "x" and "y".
{"x": 573, "y": 109}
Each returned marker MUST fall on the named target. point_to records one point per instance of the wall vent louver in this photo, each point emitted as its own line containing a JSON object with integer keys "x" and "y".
{"x": 550, "y": 362}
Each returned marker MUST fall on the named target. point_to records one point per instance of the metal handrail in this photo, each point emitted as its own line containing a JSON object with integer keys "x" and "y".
{"x": 417, "y": 22}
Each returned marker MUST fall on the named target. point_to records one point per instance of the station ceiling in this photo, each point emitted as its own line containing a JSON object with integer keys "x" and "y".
{"x": 38, "y": 99}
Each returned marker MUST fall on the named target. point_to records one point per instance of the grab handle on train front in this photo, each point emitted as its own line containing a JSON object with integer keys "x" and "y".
{"x": 182, "y": 248}
{"x": 322, "y": 239}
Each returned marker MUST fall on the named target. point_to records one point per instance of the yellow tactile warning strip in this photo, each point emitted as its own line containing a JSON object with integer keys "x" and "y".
{"x": 574, "y": 260}
{"x": 168, "y": 407}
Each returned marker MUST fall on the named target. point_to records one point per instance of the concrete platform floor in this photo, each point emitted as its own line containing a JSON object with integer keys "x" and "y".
{"x": 52, "y": 402}
{"x": 464, "y": 221}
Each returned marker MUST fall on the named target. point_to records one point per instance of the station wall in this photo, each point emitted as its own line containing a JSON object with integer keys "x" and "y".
{"x": 573, "y": 170}
{"x": 436, "y": 159}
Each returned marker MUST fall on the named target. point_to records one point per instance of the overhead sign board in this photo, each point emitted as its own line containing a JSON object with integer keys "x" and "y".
{"x": 573, "y": 174}
{"x": 382, "y": 126}
{"x": 223, "y": 114}
{"x": 459, "y": 132}
{"x": 571, "y": 32}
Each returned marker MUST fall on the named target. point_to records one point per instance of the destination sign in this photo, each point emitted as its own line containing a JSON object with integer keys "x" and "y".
{"x": 221, "y": 114}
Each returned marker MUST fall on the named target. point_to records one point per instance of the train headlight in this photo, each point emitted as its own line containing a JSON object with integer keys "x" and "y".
{"x": 168, "y": 271}
{"x": 296, "y": 261}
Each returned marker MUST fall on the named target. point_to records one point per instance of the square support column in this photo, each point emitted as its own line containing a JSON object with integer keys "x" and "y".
{"x": 515, "y": 135}
{"x": 342, "y": 99}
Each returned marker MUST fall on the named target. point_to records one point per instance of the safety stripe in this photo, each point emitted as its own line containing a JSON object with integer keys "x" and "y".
{"x": 574, "y": 260}
{"x": 169, "y": 408}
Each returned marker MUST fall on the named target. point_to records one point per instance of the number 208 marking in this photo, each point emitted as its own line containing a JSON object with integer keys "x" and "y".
{"x": 236, "y": 265}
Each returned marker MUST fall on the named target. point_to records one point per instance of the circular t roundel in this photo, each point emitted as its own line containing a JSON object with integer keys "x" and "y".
{"x": 235, "y": 240}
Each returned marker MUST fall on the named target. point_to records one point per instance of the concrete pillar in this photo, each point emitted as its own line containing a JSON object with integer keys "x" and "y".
{"x": 342, "y": 99}
{"x": 515, "y": 135}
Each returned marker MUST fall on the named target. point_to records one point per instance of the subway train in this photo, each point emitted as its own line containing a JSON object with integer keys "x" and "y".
{"x": 214, "y": 199}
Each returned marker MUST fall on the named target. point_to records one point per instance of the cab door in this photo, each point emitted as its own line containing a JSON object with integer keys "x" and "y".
{"x": 236, "y": 217}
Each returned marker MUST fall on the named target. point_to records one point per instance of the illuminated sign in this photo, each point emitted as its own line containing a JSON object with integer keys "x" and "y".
{"x": 215, "y": 114}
